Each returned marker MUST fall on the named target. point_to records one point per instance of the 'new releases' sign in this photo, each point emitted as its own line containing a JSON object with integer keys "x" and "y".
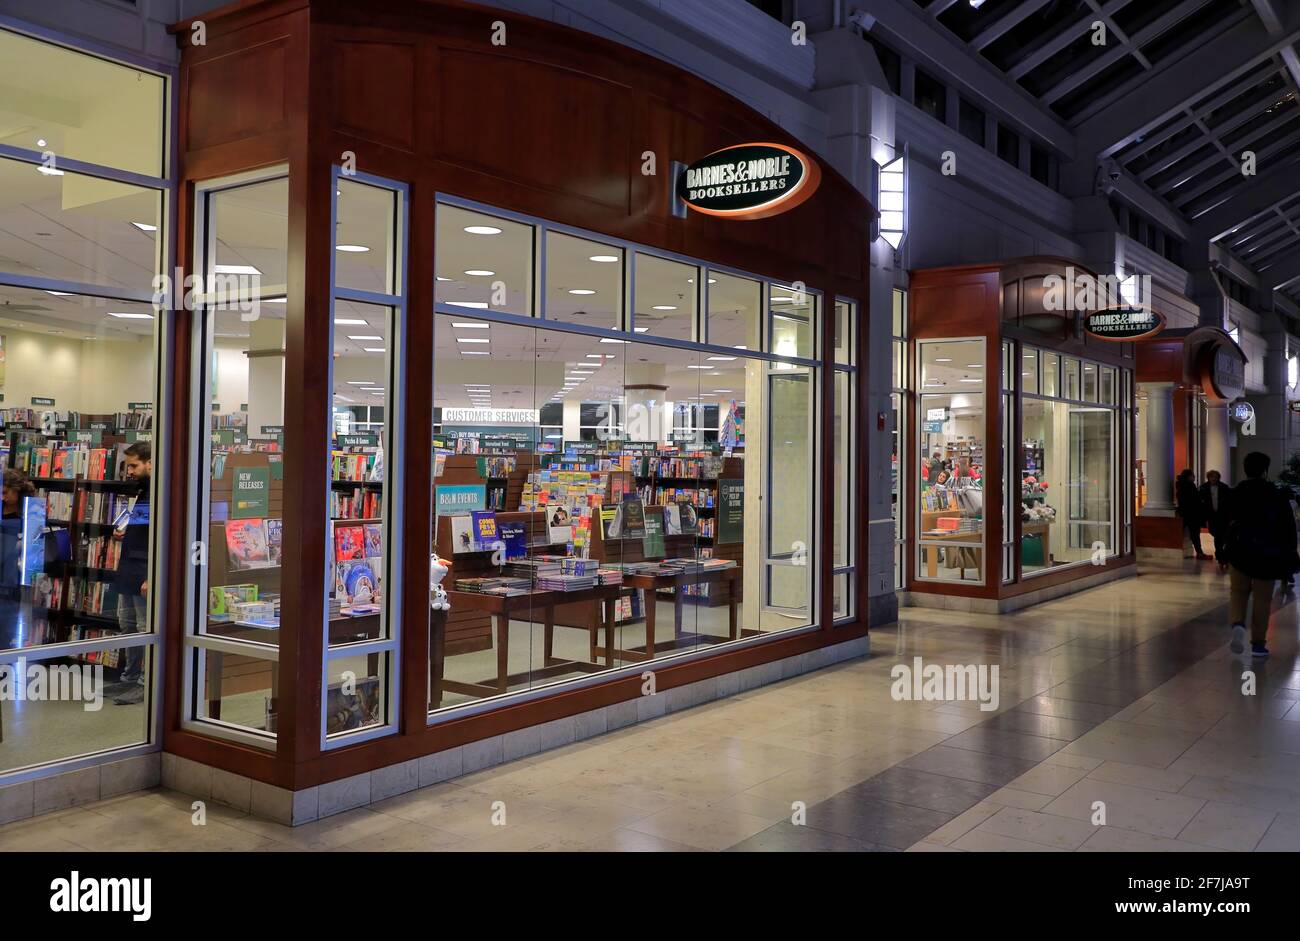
{"x": 748, "y": 181}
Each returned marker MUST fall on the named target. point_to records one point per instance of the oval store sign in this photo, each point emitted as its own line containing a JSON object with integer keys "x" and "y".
{"x": 749, "y": 181}
{"x": 1124, "y": 323}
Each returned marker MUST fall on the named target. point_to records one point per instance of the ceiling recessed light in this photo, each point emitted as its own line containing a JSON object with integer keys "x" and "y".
{"x": 479, "y": 272}
{"x": 640, "y": 330}
{"x": 581, "y": 291}
{"x": 942, "y": 360}
{"x": 376, "y": 393}
{"x": 60, "y": 293}
{"x": 48, "y": 171}
{"x": 40, "y": 142}
{"x": 235, "y": 269}
{"x": 345, "y": 322}
{"x": 608, "y": 340}
{"x": 145, "y": 227}
{"x": 721, "y": 390}
{"x": 278, "y": 300}
{"x": 472, "y": 340}
{"x": 374, "y": 349}
{"x": 130, "y": 316}
{"x": 597, "y": 355}
{"x": 783, "y": 300}
{"x": 721, "y": 359}
{"x": 974, "y": 365}
{"x": 441, "y": 278}
{"x": 604, "y": 259}
{"x": 360, "y": 382}
{"x": 699, "y": 367}
{"x": 482, "y": 230}
{"x": 664, "y": 307}
{"x": 476, "y": 305}
{"x": 352, "y": 248}
{"x": 350, "y": 337}
{"x": 475, "y": 353}
{"x": 740, "y": 347}
{"x": 972, "y": 380}
{"x": 469, "y": 325}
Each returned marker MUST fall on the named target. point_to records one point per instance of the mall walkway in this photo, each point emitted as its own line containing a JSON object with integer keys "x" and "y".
{"x": 1123, "y": 698}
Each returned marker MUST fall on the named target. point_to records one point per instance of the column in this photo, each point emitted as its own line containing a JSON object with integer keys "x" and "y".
{"x": 1160, "y": 449}
{"x": 265, "y": 375}
{"x": 1217, "y": 454}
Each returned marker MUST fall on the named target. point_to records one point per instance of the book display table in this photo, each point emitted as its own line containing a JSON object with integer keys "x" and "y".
{"x": 650, "y": 585}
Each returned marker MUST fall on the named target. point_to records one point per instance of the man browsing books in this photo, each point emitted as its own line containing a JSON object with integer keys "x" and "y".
{"x": 132, "y": 580}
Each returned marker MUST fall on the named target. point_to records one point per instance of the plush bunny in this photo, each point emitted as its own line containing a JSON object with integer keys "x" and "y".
{"x": 437, "y": 572}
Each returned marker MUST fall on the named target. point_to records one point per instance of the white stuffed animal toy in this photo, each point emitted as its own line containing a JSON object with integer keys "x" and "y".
{"x": 437, "y": 594}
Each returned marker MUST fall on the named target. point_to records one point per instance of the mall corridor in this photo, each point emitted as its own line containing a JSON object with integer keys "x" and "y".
{"x": 1122, "y": 700}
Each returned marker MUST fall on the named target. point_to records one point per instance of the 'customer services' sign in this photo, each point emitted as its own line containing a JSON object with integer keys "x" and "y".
{"x": 749, "y": 181}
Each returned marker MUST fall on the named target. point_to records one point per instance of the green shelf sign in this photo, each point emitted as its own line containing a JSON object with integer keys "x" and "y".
{"x": 358, "y": 441}
{"x": 42, "y": 400}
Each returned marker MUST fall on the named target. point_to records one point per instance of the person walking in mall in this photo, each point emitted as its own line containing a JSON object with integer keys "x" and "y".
{"x": 1215, "y": 497}
{"x": 1260, "y": 548}
{"x": 131, "y": 583}
{"x": 1188, "y": 498}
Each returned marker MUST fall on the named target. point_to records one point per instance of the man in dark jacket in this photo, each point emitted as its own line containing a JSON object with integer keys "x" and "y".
{"x": 132, "y": 583}
{"x": 1188, "y": 498}
{"x": 1260, "y": 548}
{"x": 1215, "y": 497}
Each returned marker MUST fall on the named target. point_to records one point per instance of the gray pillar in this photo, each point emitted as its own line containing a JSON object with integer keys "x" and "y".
{"x": 1160, "y": 449}
{"x": 1217, "y": 454}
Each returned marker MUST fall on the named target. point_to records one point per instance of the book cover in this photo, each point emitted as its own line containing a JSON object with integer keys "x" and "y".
{"x": 275, "y": 540}
{"x": 633, "y": 516}
{"x": 652, "y": 543}
{"x": 374, "y": 540}
{"x": 345, "y": 711}
{"x": 515, "y": 538}
{"x": 246, "y": 543}
{"x": 356, "y": 583}
{"x": 349, "y": 543}
{"x": 559, "y": 523}
{"x": 484, "y": 528}
{"x": 672, "y": 520}
{"x": 688, "y": 520}
{"x": 462, "y": 534}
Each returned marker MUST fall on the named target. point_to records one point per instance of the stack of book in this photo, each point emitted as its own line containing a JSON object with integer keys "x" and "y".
{"x": 609, "y": 577}
{"x": 566, "y": 582}
{"x": 505, "y": 586}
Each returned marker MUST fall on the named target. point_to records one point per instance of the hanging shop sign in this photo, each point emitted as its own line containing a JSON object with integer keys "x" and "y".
{"x": 1123, "y": 323}
{"x": 748, "y": 181}
{"x": 1224, "y": 373}
{"x": 1241, "y": 411}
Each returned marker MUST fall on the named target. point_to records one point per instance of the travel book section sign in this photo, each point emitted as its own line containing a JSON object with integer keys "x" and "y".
{"x": 748, "y": 181}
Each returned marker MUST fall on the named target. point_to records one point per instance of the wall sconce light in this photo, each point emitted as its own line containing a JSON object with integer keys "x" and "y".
{"x": 891, "y": 200}
{"x": 1292, "y": 372}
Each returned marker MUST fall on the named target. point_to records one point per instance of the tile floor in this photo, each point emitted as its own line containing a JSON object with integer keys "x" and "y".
{"x": 1122, "y": 700}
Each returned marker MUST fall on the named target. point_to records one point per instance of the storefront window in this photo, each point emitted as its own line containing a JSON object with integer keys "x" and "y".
{"x": 1050, "y": 383}
{"x": 735, "y": 304}
{"x": 1029, "y": 372}
{"x": 581, "y": 475}
{"x": 950, "y": 504}
{"x": 665, "y": 297}
{"x": 361, "y": 646}
{"x": 1070, "y": 378}
{"x": 584, "y": 281}
{"x": 485, "y": 262}
{"x": 897, "y": 435}
{"x": 234, "y": 647}
{"x": 1067, "y": 469}
{"x": 79, "y": 391}
{"x": 791, "y": 312}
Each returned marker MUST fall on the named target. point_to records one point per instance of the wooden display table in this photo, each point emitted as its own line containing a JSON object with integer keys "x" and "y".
{"x": 931, "y": 551}
{"x": 500, "y": 607}
{"x": 651, "y": 584}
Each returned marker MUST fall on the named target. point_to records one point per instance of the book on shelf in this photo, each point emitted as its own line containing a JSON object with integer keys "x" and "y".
{"x": 222, "y": 599}
{"x": 274, "y": 540}
{"x": 246, "y": 544}
{"x": 462, "y": 533}
{"x": 349, "y": 542}
{"x": 356, "y": 582}
{"x": 374, "y": 540}
{"x": 484, "y": 525}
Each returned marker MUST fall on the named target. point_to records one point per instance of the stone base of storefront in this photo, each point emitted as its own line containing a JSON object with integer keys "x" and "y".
{"x": 1033, "y": 596}
{"x": 66, "y": 789}
{"x": 293, "y": 808}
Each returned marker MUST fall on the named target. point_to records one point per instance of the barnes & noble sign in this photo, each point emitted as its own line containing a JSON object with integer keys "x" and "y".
{"x": 748, "y": 181}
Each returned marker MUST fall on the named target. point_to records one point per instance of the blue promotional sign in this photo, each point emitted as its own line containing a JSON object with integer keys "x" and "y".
{"x": 460, "y": 498}
{"x": 33, "y": 541}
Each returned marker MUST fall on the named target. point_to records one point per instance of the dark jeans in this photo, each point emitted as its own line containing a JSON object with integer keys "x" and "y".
{"x": 132, "y": 614}
{"x": 1193, "y": 530}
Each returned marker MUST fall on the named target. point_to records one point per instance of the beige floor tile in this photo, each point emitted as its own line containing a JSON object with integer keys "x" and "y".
{"x": 1024, "y": 800}
{"x": 963, "y": 823}
{"x": 1228, "y": 826}
{"x": 1131, "y": 808}
{"x": 1283, "y": 835}
{"x": 1156, "y": 779}
{"x": 1032, "y": 827}
{"x": 712, "y": 829}
{"x": 1116, "y": 840}
{"x": 982, "y": 841}
{"x": 1051, "y": 779}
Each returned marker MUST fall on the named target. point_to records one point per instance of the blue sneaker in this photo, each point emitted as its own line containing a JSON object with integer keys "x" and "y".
{"x": 1259, "y": 651}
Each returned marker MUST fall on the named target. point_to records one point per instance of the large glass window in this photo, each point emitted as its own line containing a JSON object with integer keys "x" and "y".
{"x": 584, "y": 281}
{"x": 792, "y": 312}
{"x": 585, "y": 475}
{"x": 950, "y": 440}
{"x": 898, "y": 495}
{"x": 360, "y": 635}
{"x": 233, "y": 650}
{"x": 485, "y": 262}
{"x": 79, "y": 391}
{"x": 1068, "y": 460}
